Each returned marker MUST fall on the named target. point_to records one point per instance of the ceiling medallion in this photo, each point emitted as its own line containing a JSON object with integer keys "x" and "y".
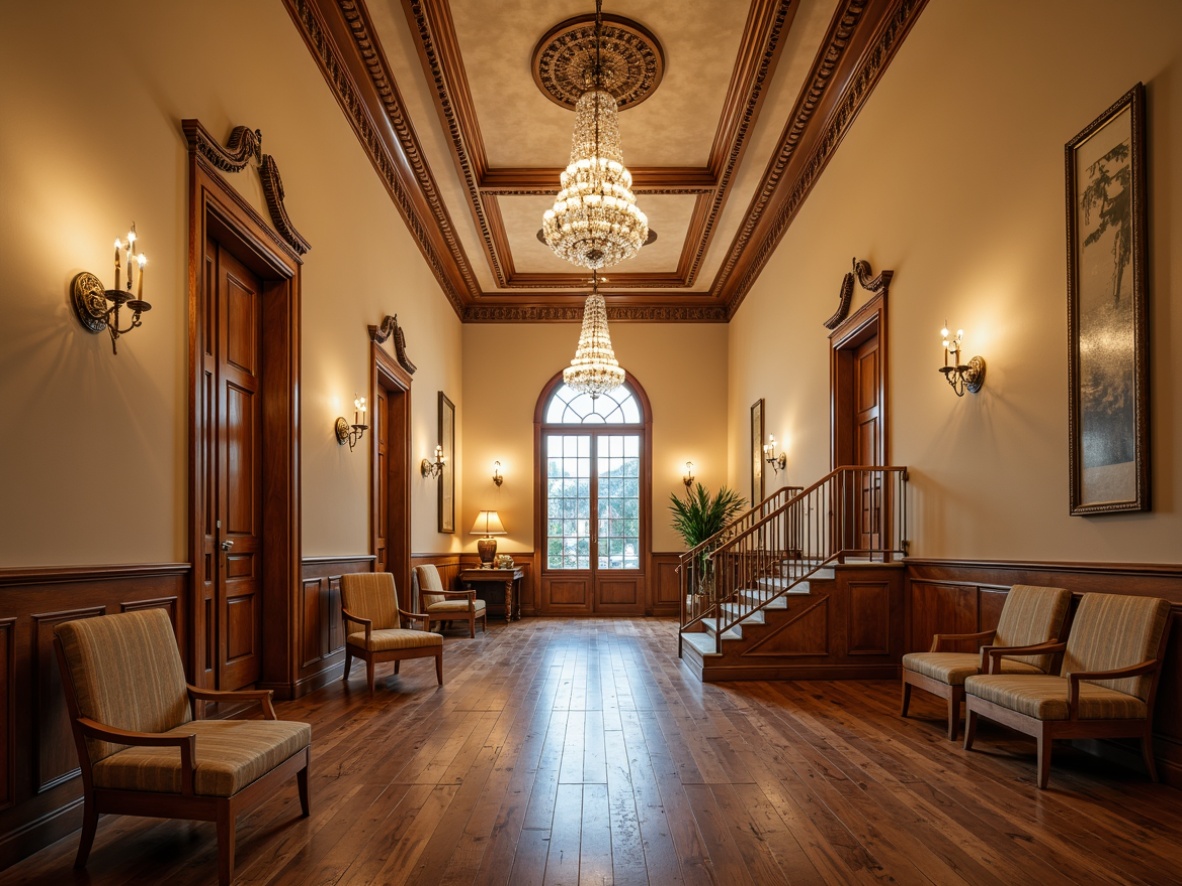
{"x": 631, "y": 58}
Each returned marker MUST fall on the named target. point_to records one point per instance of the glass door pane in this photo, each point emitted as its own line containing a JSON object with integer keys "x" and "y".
{"x": 618, "y": 500}
{"x": 568, "y": 501}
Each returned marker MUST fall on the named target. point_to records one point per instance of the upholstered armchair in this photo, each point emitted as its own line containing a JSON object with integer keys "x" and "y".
{"x": 140, "y": 750}
{"x": 1030, "y": 616}
{"x": 1104, "y": 689}
{"x": 373, "y": 626}
{"x": 444, "y": 605}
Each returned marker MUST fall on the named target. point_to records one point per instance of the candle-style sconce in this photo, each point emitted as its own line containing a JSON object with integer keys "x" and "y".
{"x": 688, "y": 479}
{"x": 432, "y": 469}
{"x": 961, "y": 376}
{"x": 778, "y": 462}
{"x": 98, "y": 308}
{"x": 352, "y": 434}
{"x": 497, "y": 478}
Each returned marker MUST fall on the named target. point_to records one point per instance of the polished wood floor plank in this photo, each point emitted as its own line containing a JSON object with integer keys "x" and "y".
{"x": 585, "y": 752}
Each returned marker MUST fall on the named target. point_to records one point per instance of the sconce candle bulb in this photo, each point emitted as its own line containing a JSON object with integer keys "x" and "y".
{"x": 961, "y": 376}
{"x": 97, "y": 308}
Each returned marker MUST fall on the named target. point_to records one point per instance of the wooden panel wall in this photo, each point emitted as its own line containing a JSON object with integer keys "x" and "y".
{"x": 950, "y": 596}
{"x": 664, "y": 589}
{"x": 39, "y": 790}
{"x": 320, "y": 631}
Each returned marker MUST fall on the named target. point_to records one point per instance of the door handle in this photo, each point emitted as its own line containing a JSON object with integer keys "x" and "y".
{"x": 226, "y": 545}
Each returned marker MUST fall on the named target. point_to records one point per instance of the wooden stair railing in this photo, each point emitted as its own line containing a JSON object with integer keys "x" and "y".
{"x": 769, "y": 551}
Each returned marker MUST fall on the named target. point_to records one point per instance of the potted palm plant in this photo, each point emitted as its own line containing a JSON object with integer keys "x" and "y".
{"x": 699, "y": 516}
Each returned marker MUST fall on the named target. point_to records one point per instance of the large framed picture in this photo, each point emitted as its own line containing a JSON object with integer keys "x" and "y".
{"x": 1107, "y": 294}
{"x": 757, "y": 452}
{"x": 447, "y": 478}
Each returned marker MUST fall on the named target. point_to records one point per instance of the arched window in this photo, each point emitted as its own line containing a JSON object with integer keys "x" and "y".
{"x": 595, "y": 491}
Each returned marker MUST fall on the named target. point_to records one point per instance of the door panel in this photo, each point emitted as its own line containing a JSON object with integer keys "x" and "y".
{"x": 237, "y": 457}
{"x": 867, "y": 441}
{"x": 381, "y": 514}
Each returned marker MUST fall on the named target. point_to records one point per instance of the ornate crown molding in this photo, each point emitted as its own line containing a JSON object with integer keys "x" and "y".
{"x": 389, "y": 326}
{"x": 573, "y": 313}
{"x": 881, "y": 283}
{"x": 273, "y": 192}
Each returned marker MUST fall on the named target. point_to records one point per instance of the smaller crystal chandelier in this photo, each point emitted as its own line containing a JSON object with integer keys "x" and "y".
{"x": 595, "y": 222}
{"x": 594, "y": 370}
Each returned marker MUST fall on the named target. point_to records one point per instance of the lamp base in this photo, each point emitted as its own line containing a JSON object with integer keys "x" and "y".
{"x": 487, "y": 548}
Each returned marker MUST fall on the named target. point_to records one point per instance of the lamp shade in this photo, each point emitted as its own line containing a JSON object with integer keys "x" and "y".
{"x": 488, "y": 523}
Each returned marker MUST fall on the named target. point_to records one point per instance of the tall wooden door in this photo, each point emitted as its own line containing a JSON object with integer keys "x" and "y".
{"x": 381, "y": 514}
{"x": 235, "y": 470}
{"x": 868, "y": 440}
{"x": 390, "y": 518}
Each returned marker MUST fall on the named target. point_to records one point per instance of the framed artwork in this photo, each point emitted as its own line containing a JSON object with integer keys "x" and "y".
{"x": 757, "y": 452}
{"x": 1107, "y": 295}
{"x": 447, "y": 478}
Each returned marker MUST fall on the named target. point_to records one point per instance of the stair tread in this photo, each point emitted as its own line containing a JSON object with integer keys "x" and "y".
{"x": 704, "y": 643}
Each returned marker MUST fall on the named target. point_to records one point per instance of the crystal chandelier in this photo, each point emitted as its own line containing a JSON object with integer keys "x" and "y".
{"x": 594, "y": 369}
{"x": 595, "y": 222}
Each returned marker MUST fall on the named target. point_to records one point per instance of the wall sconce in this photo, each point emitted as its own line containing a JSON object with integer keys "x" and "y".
{"x": 432, "y": 469}
{"x": 688, "y": 479}
{"x": 778, "y": 462}
{"x": 961, "y": 376}
{"x": 497, "y": 478}
{"x": 351, "y": 434}
{"x": 98, "y": 308}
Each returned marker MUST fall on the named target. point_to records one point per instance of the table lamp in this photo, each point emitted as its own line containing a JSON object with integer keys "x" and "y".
{"x": 488, "y": 524}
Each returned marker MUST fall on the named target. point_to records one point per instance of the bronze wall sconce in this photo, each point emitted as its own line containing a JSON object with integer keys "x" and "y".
{"x": 688, "y": 479}
{"x": 497, "y": 478}
{"x": 352, "y": 434}
{"x": 778, "y": 462}
{"x": 961, "y": 376}
{"x": 432, "y": 469}
{"x": 97, "y": 307}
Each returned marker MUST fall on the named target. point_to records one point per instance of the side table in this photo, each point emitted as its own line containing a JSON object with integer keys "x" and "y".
{"x": 508, "y": 580}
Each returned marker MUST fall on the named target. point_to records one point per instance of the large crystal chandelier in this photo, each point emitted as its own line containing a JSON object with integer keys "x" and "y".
{"x": 595, "y": 222}
{"x": 594, "y": 369}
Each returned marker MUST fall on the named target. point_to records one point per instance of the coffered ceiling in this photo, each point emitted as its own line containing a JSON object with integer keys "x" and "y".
{"x": 753, "y": 98}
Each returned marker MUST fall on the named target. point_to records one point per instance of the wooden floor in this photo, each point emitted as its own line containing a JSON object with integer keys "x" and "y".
{"x": 581, "y": 751}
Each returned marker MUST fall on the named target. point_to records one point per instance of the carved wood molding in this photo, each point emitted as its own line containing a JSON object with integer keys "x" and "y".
{"x": 680, "y": 313}
{"x": 246, "y": 144}
{"x": 389, "y": 326}
{"x": 865, "y": 34}
{"x": 861, "y": 269}
{"x": 339, "y": 35}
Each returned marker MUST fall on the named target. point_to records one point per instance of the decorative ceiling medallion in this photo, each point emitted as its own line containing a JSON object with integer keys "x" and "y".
{"x": 632, "y": 58}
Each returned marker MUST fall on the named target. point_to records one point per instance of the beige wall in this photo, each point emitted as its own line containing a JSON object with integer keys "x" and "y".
{"x": 93, "y": 446}
{"x": 681, "y": 367}
{"x": 953, "y": 177}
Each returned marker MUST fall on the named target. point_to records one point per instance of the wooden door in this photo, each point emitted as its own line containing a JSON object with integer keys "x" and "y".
{"x": 236, "y": 471}
{"x": 381, "y": 514}
{"x": 867, "y": 441}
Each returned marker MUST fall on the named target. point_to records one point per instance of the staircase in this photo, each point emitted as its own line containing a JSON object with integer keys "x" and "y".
{"x": 807, "y": 584}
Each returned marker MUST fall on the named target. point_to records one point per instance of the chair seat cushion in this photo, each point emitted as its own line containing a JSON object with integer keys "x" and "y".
{"x": 1044, "y": 697}
{"x": 230, "y": 755}
{"x": 450, "y": 606}
{"x": 953, "y": 667}
{"x": 395, "y": 638}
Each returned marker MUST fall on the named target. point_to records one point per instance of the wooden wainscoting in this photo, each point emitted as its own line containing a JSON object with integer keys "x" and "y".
{"x": 955, "y": 596}
{"x": 663, "y": 587}
{"x": 40, "y": 792}
{"x": 320, "y": 633}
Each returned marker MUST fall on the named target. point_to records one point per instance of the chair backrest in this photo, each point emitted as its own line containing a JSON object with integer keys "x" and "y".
{"x": 370, "y": 595}
{"x": 429, "y": 581}
{"x": 125, "y": 671}
{"x": 1116, "y": 631}
{"x": 1032, "y": 615}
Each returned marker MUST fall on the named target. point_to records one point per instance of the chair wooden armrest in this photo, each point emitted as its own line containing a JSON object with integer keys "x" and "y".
{"x": 1073, "y": 680}
{"x": 469, "y": 595}
{"x": 186, "y": 743}
{"x": 262, "y": 696}
{"x": 938, "y": 640}
{"x": 991, "y": 656}
{"x": 364, "y": 622}
{"x": 416, "y": 616}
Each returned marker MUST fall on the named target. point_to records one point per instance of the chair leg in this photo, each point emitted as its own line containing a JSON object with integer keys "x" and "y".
{"x": 369, "y": 673}
{"x": 302, "y": 784}
{"x": 906, "y": 699}
{"x": 397, "y": 665}
{"x": 1045, "y": 744}
{"x": 89, "y": 826}
{"x": 439, "y": 666}
{"x": 471, "y": 627}
{"x": 348, "y": 663}
{"x": 970, "y": 728}
{"x": 1147, "y": 752}
{"x": 954, "y": 713}
{"x": 225, "y": 844}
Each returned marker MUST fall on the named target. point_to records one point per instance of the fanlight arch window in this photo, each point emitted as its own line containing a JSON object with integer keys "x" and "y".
{"x": 568, "y": 407}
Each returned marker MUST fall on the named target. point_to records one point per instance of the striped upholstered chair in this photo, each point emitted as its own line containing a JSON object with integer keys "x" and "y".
{"x": 1030, "y": 615}
{"x": 1105, "y": 688}
{"x": 374, "y": 626}
{"x": 140, "y": 749}
{"x": 444, "y": 605}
